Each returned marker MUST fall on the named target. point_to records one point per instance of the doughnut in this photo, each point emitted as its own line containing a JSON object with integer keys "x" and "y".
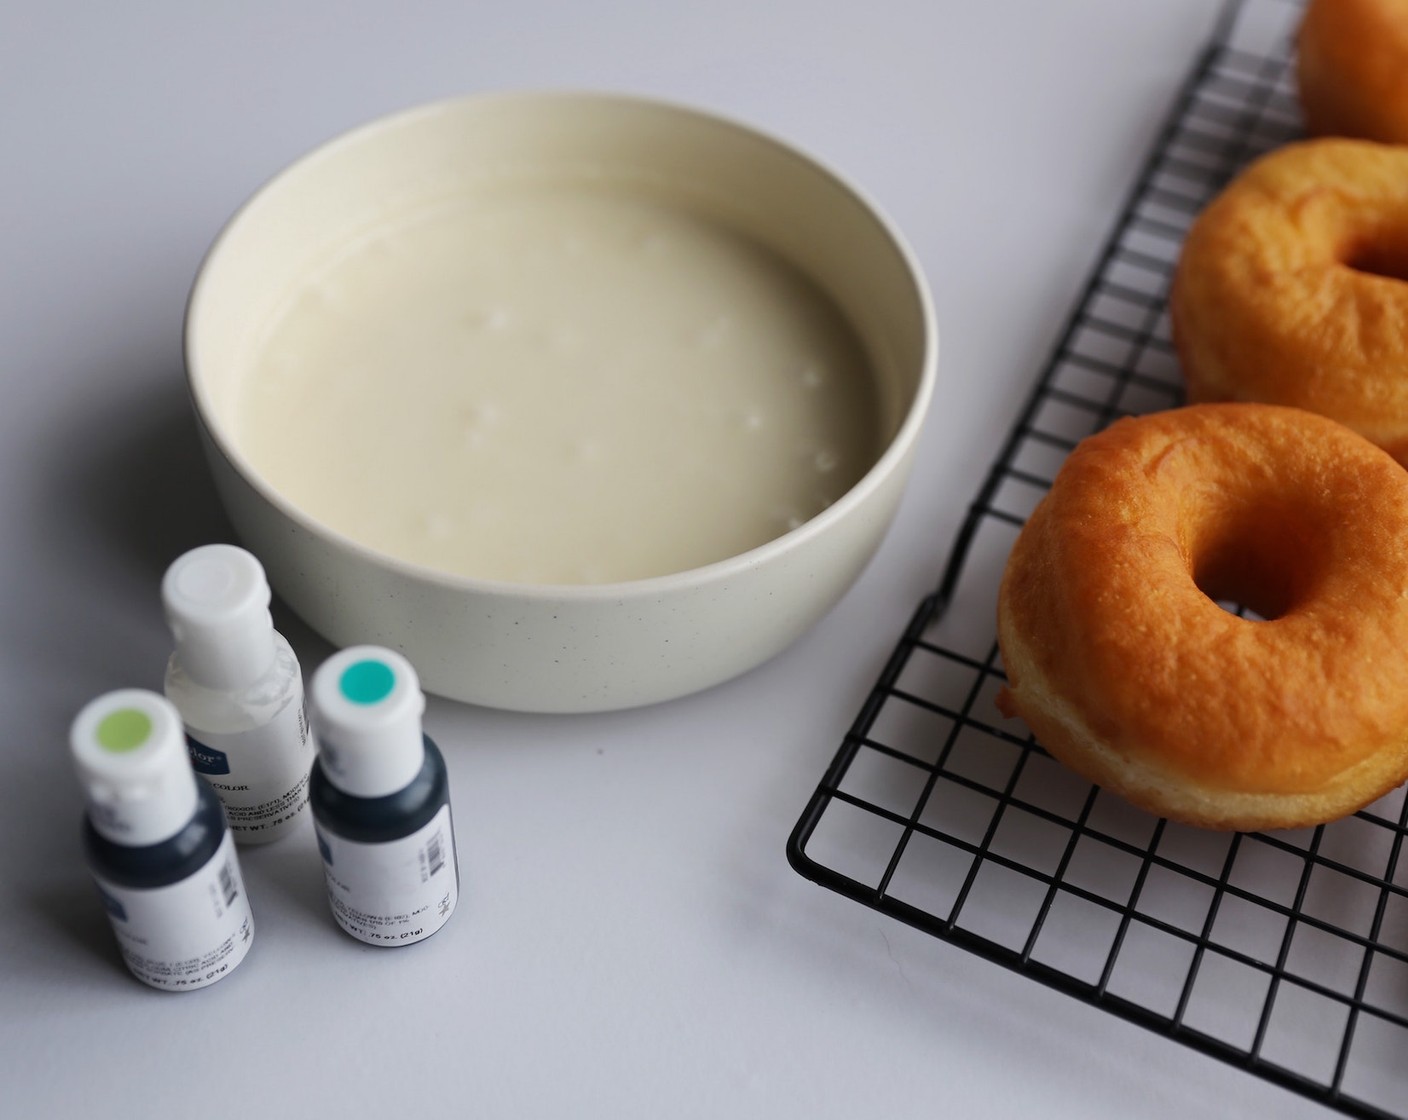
{"x": 1120, "y": 660}
{"x": 1352, "y": 69}
{"x": 1292, "y": 288}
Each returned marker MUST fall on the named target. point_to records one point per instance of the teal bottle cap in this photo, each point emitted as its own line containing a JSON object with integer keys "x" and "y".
{"x": 367, "y": 707}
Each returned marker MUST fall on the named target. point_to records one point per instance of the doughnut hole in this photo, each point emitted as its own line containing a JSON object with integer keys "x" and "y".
{"x": 1375, "y": 261}
{"x": 1264, "y": 557}
{"x": 1378, "y": 256}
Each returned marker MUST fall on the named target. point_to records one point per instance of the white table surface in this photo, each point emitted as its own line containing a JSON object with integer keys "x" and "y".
{"x": 631, "y": 941}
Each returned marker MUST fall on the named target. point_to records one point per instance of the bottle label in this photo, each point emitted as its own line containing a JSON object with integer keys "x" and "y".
{"x": 188, "y": 934}
{"x": 207, "y": 760}
{"x": 260, "y": 775}
{"x": 394, "y": 893}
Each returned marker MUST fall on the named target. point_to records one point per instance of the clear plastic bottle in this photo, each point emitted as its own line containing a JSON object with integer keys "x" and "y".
{"x": 157, "y": 845}
{"x": 381, "y": 800}
{"x": 237, "y": 684}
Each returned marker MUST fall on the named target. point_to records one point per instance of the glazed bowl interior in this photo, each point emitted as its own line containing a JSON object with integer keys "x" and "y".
{"x": 714, "y": 171}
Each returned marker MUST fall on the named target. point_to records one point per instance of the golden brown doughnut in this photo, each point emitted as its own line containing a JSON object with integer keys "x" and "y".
{"x": 1121, "y": 662}
{"x": 1291, "y": 288}
{"x": 1352, "y": 69}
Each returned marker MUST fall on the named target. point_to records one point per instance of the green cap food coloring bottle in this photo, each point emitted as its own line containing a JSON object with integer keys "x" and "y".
{"x": 157, "y": 845}
{"x": 381, "y": 800}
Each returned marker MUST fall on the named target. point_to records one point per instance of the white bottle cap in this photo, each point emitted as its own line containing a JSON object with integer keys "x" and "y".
{"x": 367, "y": 705}
{"x": 217, "y": 605}
{"x": 130, "y": 753}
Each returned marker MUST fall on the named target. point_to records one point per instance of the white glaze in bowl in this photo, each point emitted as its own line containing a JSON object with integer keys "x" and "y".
{"x": 564, "y": 647}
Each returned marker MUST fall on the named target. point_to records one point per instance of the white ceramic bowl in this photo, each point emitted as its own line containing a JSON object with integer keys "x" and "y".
{"x": 565, "y": 648}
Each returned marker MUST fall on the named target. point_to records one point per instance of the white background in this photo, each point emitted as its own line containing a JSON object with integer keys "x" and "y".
{"x": 631, "y": 941}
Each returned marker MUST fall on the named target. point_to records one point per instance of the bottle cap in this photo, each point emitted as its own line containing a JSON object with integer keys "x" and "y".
{"x": 217, "y": 605}
{"x": 367, "y": 707}
{"x": 130, "y": 752}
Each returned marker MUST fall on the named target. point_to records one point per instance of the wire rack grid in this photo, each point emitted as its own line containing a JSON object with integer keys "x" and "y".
{"x": 1283, "y": 953}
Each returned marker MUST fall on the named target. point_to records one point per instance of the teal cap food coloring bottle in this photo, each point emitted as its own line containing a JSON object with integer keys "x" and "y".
{"x": 157, "y": 844}
{"x": 380, "y": 796}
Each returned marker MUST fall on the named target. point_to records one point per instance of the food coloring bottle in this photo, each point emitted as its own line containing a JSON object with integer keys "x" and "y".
{"x": 381, "y": 800}
{"x": 236, "y": 682}
{"x": 158, "y": 846}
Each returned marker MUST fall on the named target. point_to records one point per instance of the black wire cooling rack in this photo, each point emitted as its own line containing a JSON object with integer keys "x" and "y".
{"x": 1283, "y": 953}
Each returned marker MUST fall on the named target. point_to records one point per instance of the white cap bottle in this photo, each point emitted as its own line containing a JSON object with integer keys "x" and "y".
{"x": 239, "y": 689}
{"x": 381, "y": 800}
{"x": 157, "y": 844}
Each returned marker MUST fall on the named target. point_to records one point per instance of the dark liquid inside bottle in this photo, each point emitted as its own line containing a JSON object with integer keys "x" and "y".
{"x": 159, "y": 865}
{"x": 377, "y": 820}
